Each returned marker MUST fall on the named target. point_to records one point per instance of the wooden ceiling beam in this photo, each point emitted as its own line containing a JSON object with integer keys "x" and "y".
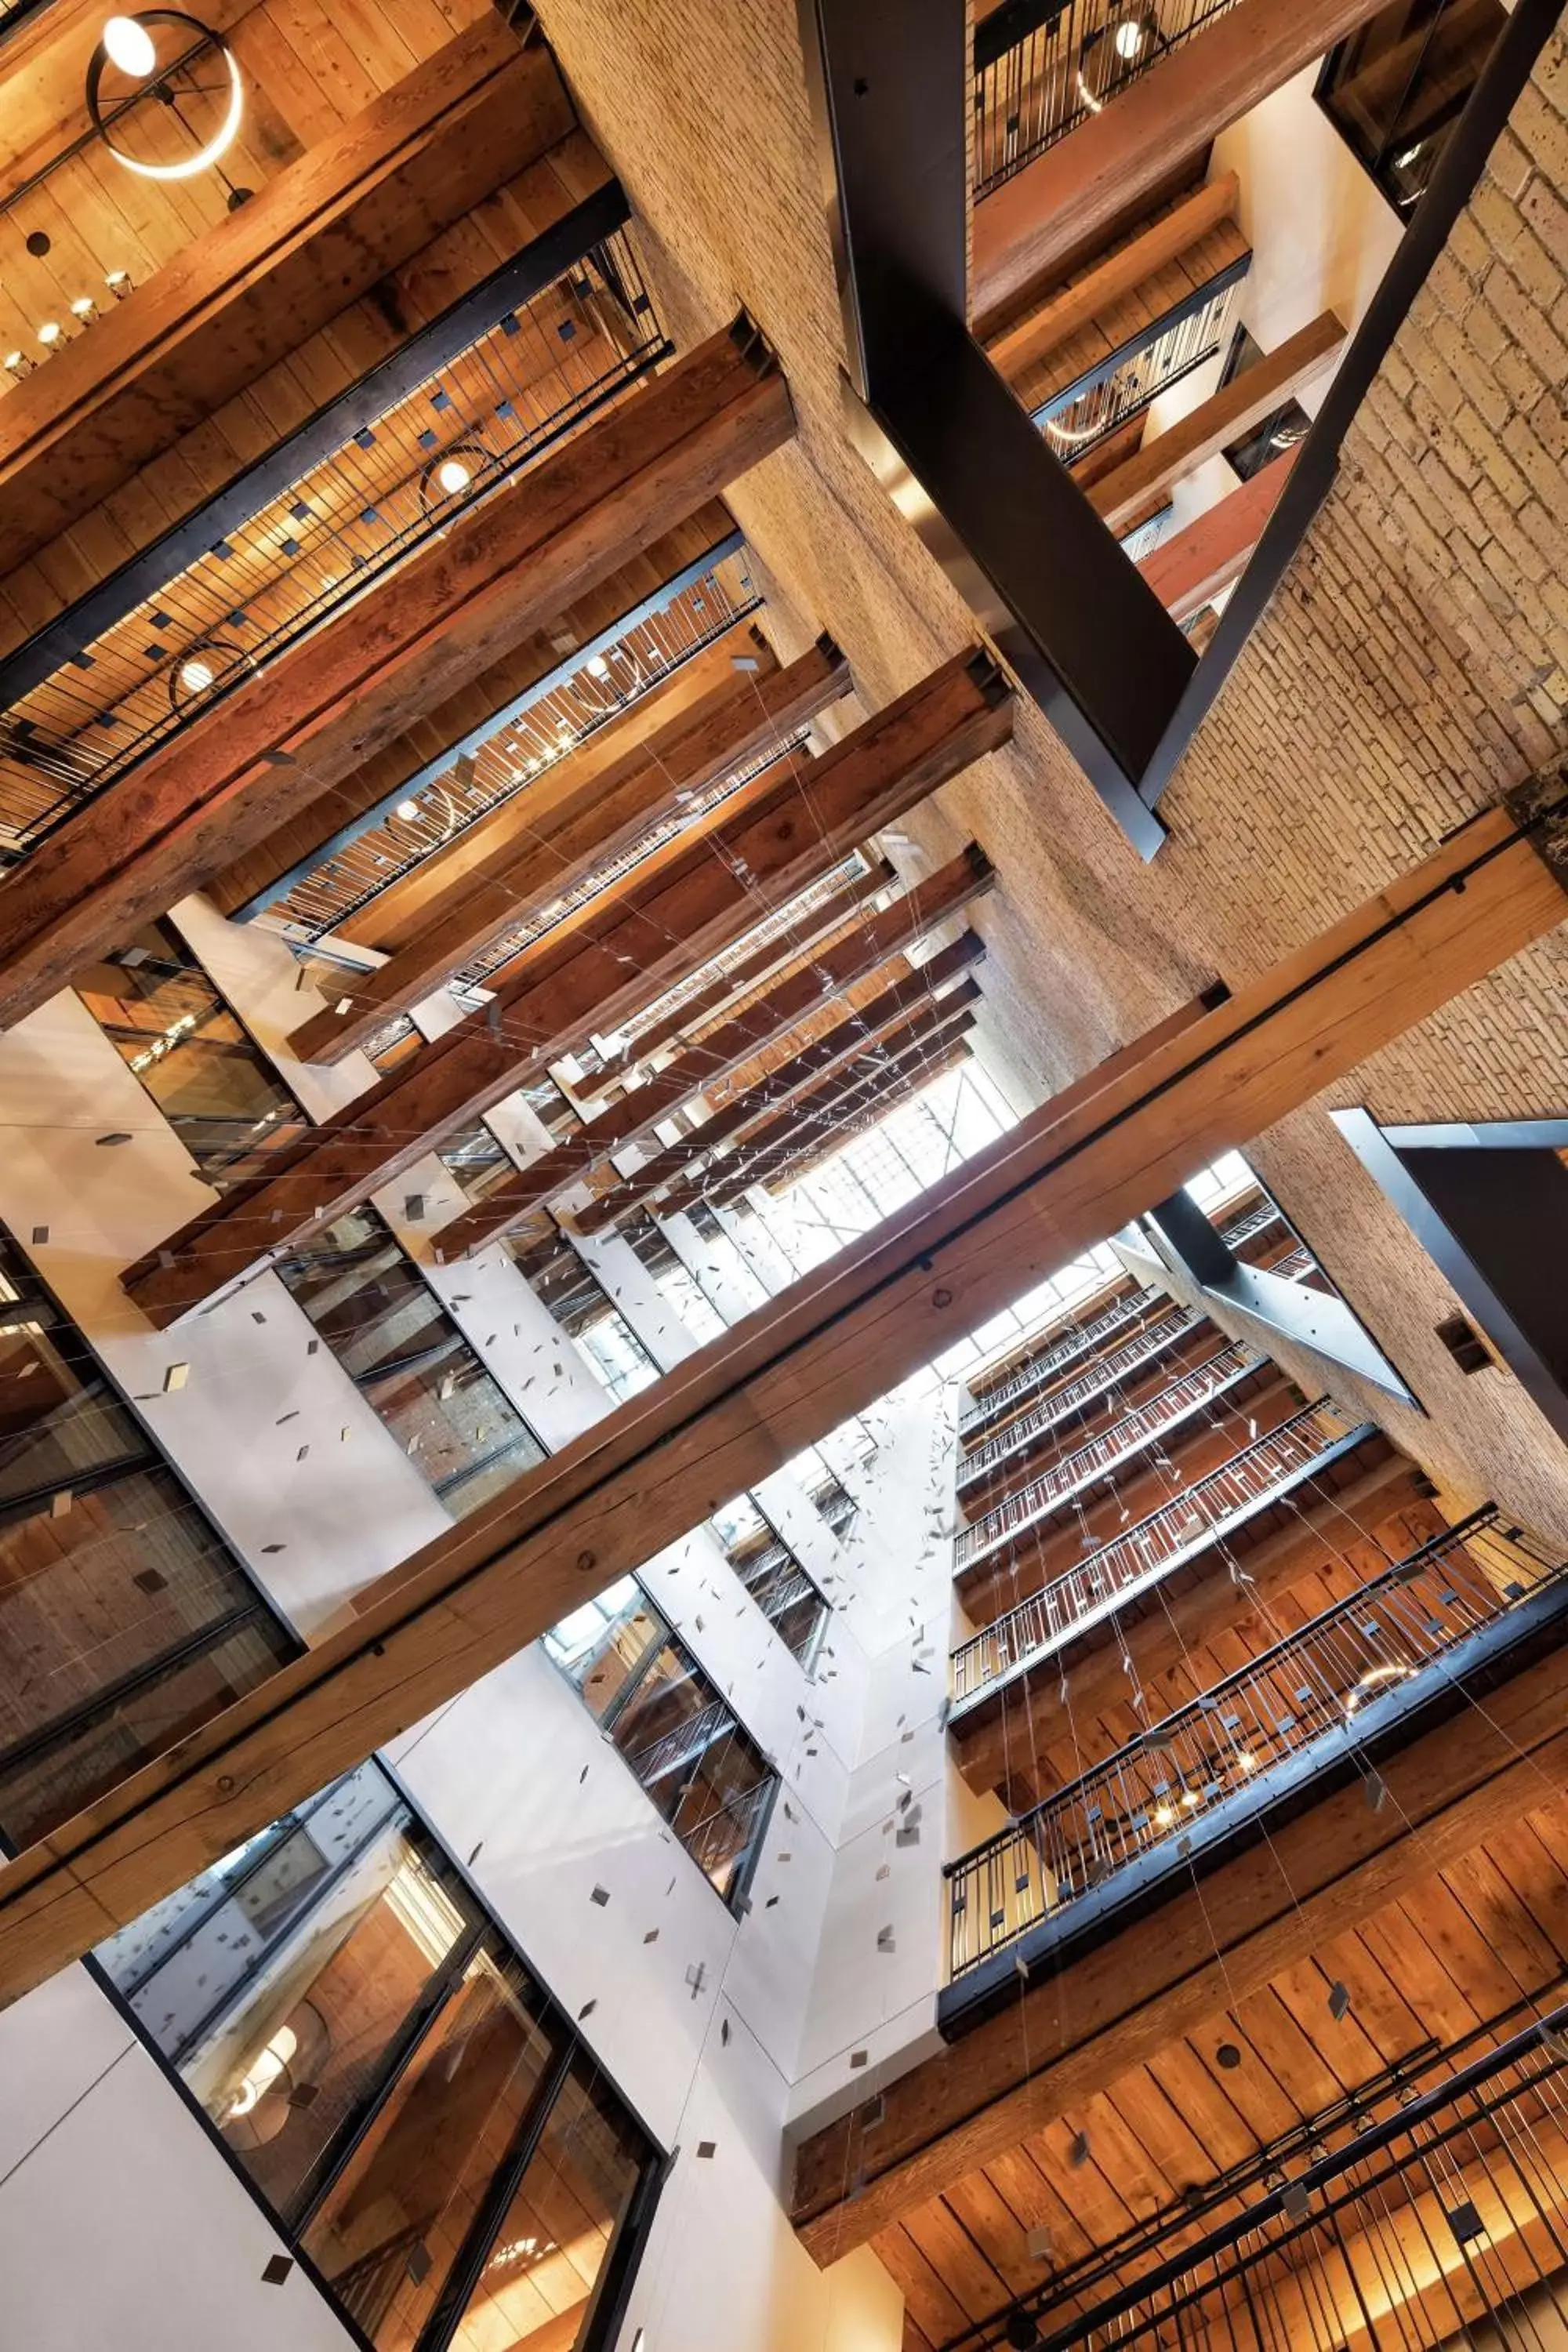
{"x": 860, "y": 1083}
{"x": 583, "y": 808}
{"x": 1077, "y": 191}
{"x": 712, "y": 1057}
{"x": 1187, "y": 1963}
{"x": 1189, "y": 570}
{"x": 697, "y": 895}
{"x": 252, "y": 289}
{"x": 1109, "y": 281}
{"x": 1226, "y": 416}
{"x": 183, "y": 814}
{"x": 830, "y": 1346}
{"x": 903, "y": 995}
{"x": 740, "y": 980}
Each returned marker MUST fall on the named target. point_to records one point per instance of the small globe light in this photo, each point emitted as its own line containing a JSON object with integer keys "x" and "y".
{"x": 409, "y": 811}
{"x": 1129, "y": 40}
{"x": 130, "y": 46}
{"x": 453, "y": 476}
{"x": 195, "y": 676}
{"x": 598, "y": 666}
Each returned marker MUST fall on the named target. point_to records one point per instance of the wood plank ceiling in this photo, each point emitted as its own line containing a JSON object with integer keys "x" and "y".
{"x": 1466, "y": 1947}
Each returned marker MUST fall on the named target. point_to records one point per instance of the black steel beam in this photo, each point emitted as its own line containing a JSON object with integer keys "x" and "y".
{"x": 1491, "y": 1216}
{"x": 547, "y": 257}
{"x": 1070, "y": 616}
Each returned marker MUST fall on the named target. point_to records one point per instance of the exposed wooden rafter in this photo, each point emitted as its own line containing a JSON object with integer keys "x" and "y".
{"x": 582, "y": 810}
{"x": 327, "y": 704}
{"x": 699, "y": 894}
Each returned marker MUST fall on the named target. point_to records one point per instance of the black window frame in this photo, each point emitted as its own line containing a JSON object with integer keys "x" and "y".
{"x": 483, "y": 1933}
{"x": 254, "y": 1606}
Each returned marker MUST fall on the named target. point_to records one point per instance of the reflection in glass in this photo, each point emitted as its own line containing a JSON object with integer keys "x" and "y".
{"x": 404, "y": 2096}
{"x": 395, "y": 2221}
{"x": 1395, "y": 89}
{"x": 409, "y": 1360}
{"x": 537, "y": 2285}
{"x": 124, "y": 1621}
{"x": 168, "y": 1022}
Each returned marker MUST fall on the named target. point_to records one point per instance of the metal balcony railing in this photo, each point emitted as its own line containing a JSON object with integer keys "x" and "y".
{"x": 1222, "y": 1746}
{"x": 309, "y": 531}
{"x": 1192, "y": 1519}
{"x": 1086, "y": 411}
{"x": 1122, "y": 1364}
{"x": 615, "y": 869}
{"x": 987, "y": 1403}
{"x": 1105, "y": 1453}
{"x": 1430, "y": 2208}
{"x": 1236, "y": 1232}
{"x": 1041, "y": 67}
{"x": 545, "y": 724}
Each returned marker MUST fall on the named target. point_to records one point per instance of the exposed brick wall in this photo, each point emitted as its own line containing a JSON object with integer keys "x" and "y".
{"x": 1414, "y": 662}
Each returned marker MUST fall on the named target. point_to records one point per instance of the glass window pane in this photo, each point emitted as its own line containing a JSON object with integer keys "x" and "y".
{"x": 537, "y": 2285}
{"x": 581, "y": 1305}
{"x": 307, "y": 2042}
{"x": 394, "y": 2223}
{"x": 602, "y": 1646}
{"x": 477, "y": 1157}
{"x": 124, "y": 1622}
{"x": 404, "y": 1352}
{"x": 58, "y": 1417}
{"x": 168, "y": 1022}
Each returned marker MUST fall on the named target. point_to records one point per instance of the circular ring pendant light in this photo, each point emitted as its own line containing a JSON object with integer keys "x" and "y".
{"x": 126, "y": 44}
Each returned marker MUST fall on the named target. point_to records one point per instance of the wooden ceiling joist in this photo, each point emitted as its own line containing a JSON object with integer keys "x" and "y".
{"x": 1224, "y": 417}
{"x": 1188, "y": 569}
{"x": 891, "y": 1005}
{"x": 735, "y": 1411}
{"x": 253, "y": 287}
{"x": 583, "y": 809}
{"x": 712, "y": 1057}
{"x": 648, "y": 592}
{"x": 697, "y": 895}
{"x": 1078, "y": 188}
{"x": 853, "y": 1086}
{"x": 1097, "y": 290}
{"x": 328, "y": 703}
{"x": 742, "y": 976}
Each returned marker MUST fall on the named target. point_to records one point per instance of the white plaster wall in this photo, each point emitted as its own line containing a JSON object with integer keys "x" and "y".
{"x": 119, "y": 2223}
{"x": 314, "y": 1528}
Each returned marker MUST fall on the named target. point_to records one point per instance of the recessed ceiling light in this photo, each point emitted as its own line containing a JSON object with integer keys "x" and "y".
{"x": 130, "y": 46}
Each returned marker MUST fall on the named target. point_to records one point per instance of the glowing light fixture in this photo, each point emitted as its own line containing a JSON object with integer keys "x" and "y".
{"x": 129, "y": 45}
{"x": 409, "y": 811}
{"x": 49, "y": 332}
{"x": 1130, "y": 38}
{"x": 453, "y": 476}
{"x": 119, "y": 283}
{"x": 126, "y": 44}
{"x": 197, "y": 675}
{"x": 598, "y": 666}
